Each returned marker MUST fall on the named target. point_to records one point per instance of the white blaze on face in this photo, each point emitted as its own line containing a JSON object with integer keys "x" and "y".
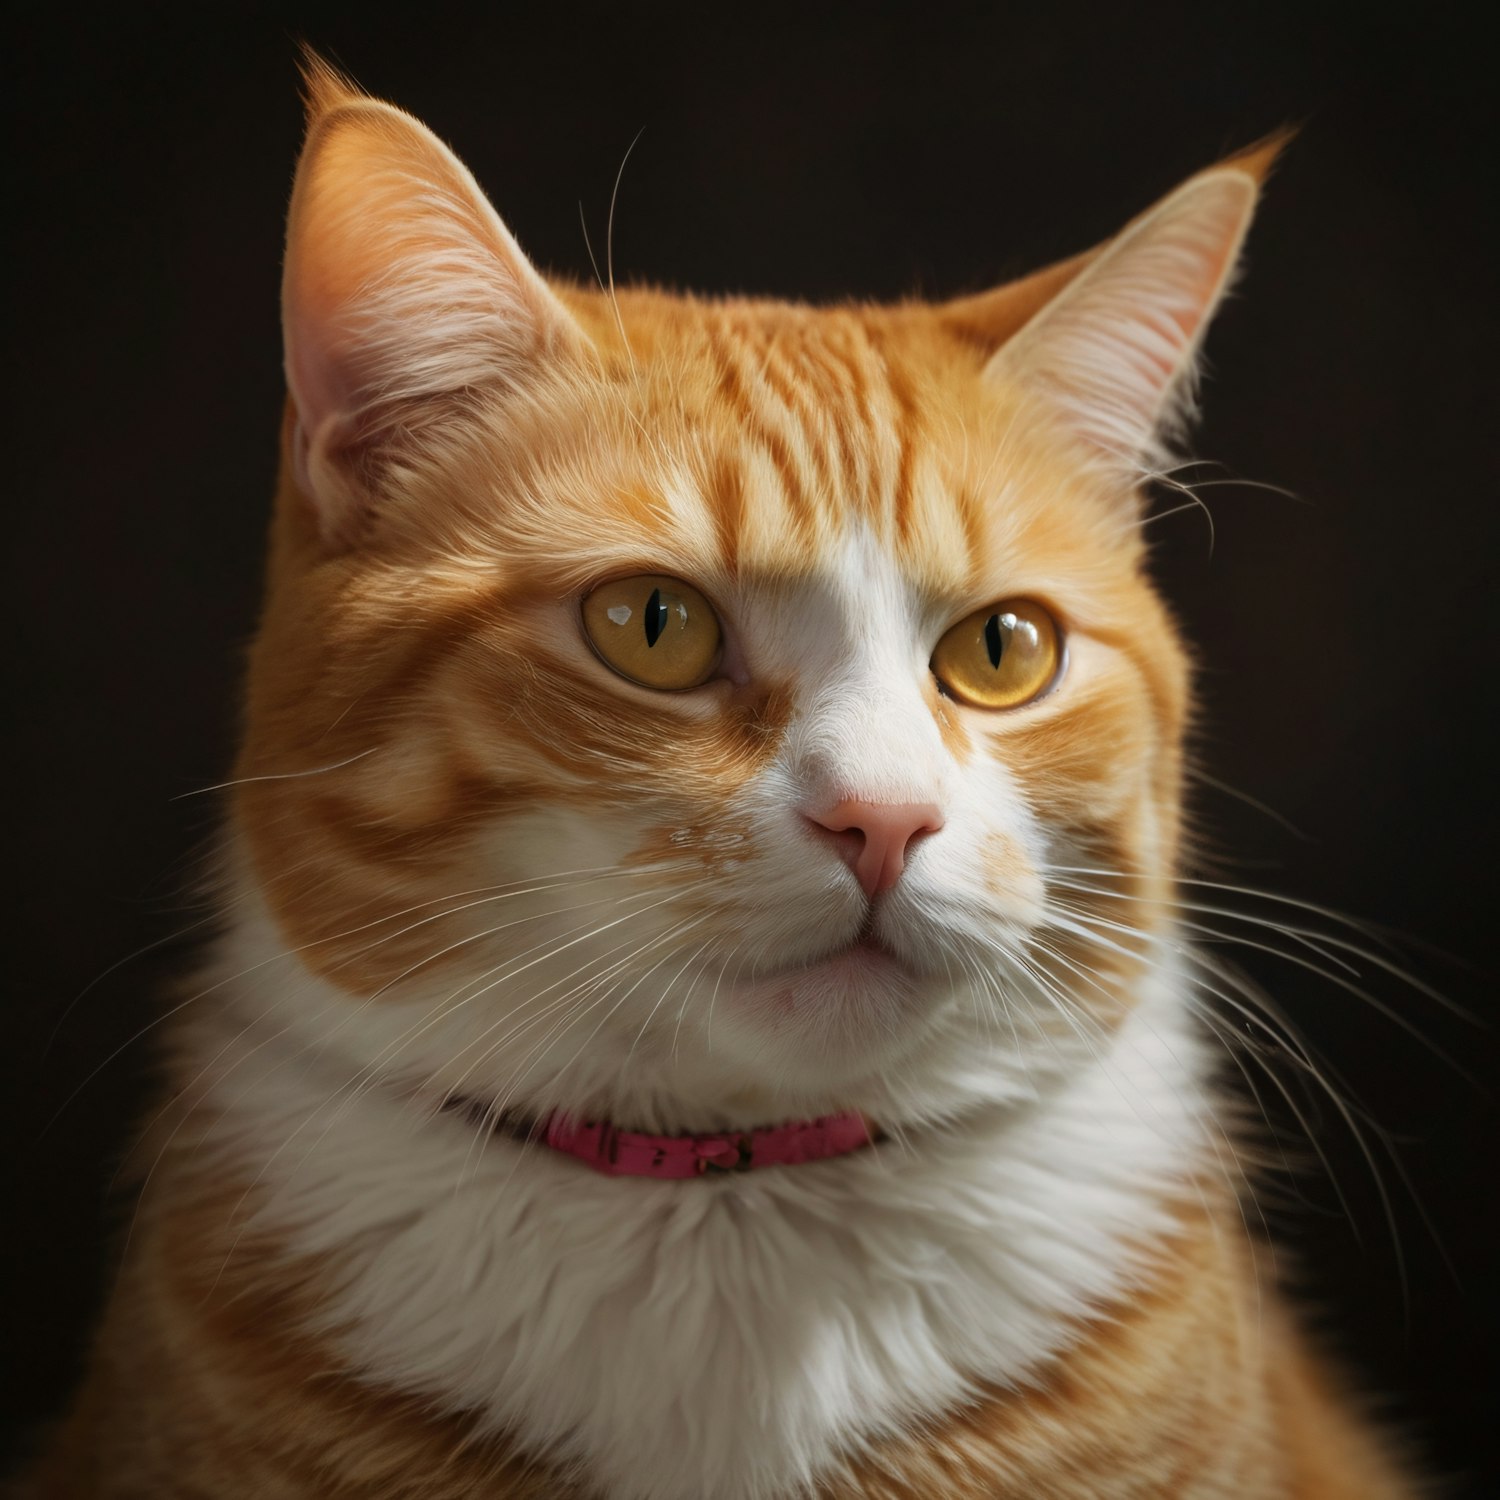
{"x": 854, "y": 641}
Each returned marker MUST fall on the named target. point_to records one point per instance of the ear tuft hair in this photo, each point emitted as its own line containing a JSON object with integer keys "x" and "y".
{"x": 324, "y": 87}
{"x": 1261, "y": 158}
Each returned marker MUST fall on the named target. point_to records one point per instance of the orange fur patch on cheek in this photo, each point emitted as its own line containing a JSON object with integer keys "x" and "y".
{"x": 1101, "y": 772}
{"x": 360, "y": 801}
{"x": 950, "y": 722}
{"x": 1089, "y": 760}
{"x": 703, "y": 744}
{"x": 473, "y": 711}
{"x": 695, "y": 859}
{"x": 744, "y": 739}
{"x": 369, "y": 899}
{"x": 1092, "y": 774}
{"x": 750, "y": 733}
{"x": 1010, "y": 873}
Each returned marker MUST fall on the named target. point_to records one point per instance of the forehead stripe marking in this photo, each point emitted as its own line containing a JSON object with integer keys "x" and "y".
{"x": 773, "y": 443}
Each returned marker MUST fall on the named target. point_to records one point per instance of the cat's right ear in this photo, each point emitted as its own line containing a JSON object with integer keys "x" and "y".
{"x": 403, "y": 295}
{"x": 1111, "y": 338}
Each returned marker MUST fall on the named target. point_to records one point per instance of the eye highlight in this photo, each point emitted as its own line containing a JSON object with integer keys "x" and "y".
{"x": 1001, "y": 656}
{"x": 655, "y": 630}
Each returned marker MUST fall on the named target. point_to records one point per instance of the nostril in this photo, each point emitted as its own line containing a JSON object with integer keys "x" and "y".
{"x": 920, "y": 833}
{"x": 873, "y": 837}
{"x": 848, "y": 844}
{"x": 847, "y": 840}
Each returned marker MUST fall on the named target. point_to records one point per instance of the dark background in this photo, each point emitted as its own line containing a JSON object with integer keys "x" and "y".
{"x": 1349, "y": 656}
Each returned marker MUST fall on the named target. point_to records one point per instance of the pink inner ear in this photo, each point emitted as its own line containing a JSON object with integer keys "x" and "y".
{"x": 319, "y": 381}
{"x": 401, "y": 288}
{"x": 332, "y": 379}
{"x": 1117, "y": 346}
{"x": 321, "y": 386}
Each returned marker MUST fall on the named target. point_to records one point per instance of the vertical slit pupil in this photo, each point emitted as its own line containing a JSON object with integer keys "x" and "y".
{"x": 656, "y": 618}
{"x": 993, "y": 640}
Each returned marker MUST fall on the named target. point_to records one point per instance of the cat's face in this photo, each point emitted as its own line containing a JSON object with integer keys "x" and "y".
{"x": 794, "y": 870}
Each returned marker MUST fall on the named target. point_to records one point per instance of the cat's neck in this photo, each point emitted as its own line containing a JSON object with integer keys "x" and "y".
{"x": 629, "y": 1322}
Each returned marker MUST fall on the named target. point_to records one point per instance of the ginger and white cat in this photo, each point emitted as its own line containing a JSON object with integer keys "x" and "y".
{"x": 695, "y": 718}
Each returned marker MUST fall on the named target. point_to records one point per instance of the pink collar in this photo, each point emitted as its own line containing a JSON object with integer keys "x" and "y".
{"x": 632, "y": 1153}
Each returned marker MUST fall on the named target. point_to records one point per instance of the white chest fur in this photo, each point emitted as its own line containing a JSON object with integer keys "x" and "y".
{"x": 724, "y": 1338}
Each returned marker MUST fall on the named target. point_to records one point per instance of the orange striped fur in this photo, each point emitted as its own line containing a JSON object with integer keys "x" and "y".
{"x": 1198, "y": 1388}
{"x": 444, "y": 796}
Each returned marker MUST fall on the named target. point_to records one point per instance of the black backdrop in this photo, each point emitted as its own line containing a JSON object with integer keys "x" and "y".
{"x": 1349, "y": 658}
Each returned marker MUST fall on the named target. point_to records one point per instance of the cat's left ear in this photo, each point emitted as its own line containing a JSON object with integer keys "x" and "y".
{"x": 1115, "y": 346}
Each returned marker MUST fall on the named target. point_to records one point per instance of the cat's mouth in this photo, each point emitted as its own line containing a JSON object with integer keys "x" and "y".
{"x": 866, "y": 949}
{"x": 862, "y": 965}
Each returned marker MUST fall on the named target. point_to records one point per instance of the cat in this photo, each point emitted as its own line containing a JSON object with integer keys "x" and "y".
{"x": 698, "y": 1013}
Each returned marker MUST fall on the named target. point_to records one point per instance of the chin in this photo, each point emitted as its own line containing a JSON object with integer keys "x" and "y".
{"x": 831, "y": 1025}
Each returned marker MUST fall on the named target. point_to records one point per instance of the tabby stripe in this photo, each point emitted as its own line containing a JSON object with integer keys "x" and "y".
{"x": 773, "y": 443}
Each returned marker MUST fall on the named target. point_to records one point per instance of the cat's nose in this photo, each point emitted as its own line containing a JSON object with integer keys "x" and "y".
{"x": 873, "y": 837}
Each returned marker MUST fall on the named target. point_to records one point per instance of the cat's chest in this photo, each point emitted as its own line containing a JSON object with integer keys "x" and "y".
{"x": 729, "y": 1336}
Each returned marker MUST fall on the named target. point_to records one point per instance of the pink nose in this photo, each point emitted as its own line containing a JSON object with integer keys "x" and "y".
{"x": 873, "y": 837}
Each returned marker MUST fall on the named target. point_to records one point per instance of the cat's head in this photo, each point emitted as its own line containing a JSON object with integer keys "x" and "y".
{"x": 695, "y": 712}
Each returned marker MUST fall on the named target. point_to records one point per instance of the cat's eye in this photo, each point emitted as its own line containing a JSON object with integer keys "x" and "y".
{"x": 655, "y": 630}
{"x": 1000, "y": 657}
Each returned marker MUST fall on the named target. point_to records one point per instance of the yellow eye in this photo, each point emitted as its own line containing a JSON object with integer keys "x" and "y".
{"x": 1000, "y": 657}
{"x": 655, "y": 630}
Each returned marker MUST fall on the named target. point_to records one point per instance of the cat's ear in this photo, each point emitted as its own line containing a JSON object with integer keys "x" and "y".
{"x": 403, "y": 297}
{"x": 1112, "y": 337}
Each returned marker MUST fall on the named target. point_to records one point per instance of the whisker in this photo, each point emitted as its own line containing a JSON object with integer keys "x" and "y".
{"x": 287, "y": 954}
{"x": 1314, "y": 940}
{"x": 220, "y": 786}
{"x": 609, "y": 248}
{"x": 118, "y": 964}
